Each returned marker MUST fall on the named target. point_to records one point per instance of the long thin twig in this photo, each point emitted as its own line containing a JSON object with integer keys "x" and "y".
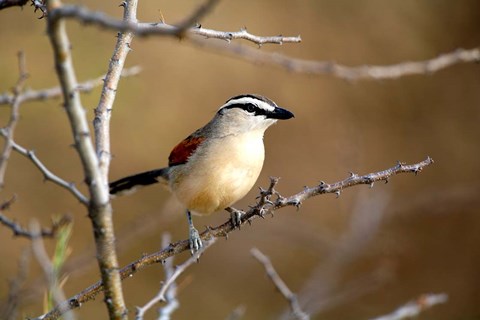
{"x": 56, "y": 92}
{"x": 47, "y": 174}
{"x": 415, "y": 307}
{"x": 9, "y": 129}
{"x": 20, "y": 231}
{"x": 103, "y": 111}
{"x": 146, "y": 29}
{"x": 263, "y": 206}
{"x": 160, "y": 297}
{"x": 99, "y": 209}
{"x": 282, "y": 287}
{"x": 350, "y": 73}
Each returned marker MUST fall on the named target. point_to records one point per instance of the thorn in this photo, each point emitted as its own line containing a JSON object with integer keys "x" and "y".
{"x": 269, "y": 202}
{"x": 371, "y": 185}
{"x": 386, "y": 180}
{"x": 296, "y": 203}
{"x": 338, "y": 192}
{"x": 123, "y": 4}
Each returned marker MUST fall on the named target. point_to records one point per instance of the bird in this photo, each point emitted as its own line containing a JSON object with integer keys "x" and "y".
{"x": 216, "y": 165}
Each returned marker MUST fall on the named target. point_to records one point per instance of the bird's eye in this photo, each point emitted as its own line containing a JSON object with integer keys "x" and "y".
{"x": 250, "y": 107}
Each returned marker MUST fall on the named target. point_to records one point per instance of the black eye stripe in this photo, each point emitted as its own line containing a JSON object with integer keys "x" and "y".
{"x": 249, "y": 107}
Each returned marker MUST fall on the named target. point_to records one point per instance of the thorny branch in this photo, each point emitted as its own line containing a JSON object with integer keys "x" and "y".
{"x": 47, "y": 174}
{"x": 146, "y": 29}
{"x": 263, "y": 206}
{"x": 282, "y": 287}
{"x": 19, "y": 231}
{"x": 103, "y": 111}
{"x": 56, "y": 92}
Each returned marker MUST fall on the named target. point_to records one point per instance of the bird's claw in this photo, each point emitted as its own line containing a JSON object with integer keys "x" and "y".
{"x": 236, "y": 217}
{"x": 194, "y": 240}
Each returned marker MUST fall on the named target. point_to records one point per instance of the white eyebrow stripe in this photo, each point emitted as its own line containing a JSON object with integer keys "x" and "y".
{"x": 245, "y": 100}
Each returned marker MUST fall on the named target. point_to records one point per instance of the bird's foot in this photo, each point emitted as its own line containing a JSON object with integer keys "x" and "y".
{"x": 194, "y": 240}
{"x": 235, "y": 217}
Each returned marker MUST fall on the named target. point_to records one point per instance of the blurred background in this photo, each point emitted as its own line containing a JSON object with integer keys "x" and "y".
{"x": 356, "y": 257}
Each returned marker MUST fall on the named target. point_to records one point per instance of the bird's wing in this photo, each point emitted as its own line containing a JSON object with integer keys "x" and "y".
{"x": 184, "y": 150}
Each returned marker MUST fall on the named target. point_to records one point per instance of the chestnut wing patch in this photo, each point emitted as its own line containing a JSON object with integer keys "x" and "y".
{"x": 184, "y": 150}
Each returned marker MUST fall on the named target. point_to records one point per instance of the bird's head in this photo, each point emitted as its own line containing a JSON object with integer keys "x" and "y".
{"x": 250, "y": 112}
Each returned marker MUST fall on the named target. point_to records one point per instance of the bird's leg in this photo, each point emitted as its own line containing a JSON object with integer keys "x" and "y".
{"x": 235, "y": 216}
{"x": 194, "y": 239}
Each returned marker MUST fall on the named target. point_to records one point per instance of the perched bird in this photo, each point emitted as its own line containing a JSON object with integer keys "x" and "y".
{"x": 219, "y": 163}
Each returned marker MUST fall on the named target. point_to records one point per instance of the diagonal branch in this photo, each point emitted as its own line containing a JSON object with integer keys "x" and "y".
{"x": 20, "y": 231}
{"x": 55, "y": 92}
{"x": 263, "y": 206}
{"x": 47, "y": 174}
{"x": 363, "y": 72}
{"x": 282, "y": 287}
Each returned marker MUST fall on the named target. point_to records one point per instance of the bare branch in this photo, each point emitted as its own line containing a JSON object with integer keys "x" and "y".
{"x": 364, "y": 72}
{"x": 280, "y": 284}
{"x": 415, "y": 307}
{"x": 19, "y": 231}
{"x": 104, "y": 108}
{"x": 100, "y": 210}
{"x": 266, "y": 206}
{"x": 55, "y": 92}
{"x": 146, "y": 29}
{"x": 9, "y": 129}
{"x": 47, "y": 174}
{"x": 160, "y": 297}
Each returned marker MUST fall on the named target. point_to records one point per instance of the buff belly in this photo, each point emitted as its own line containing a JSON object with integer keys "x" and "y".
{"x": 206, "y": 183}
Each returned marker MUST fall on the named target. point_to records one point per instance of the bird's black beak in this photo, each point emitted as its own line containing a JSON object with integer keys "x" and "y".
{"x": 280, "y": 113}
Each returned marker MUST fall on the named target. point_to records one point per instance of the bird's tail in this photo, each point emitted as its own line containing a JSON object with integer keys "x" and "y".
{"x": 131, "y": 183}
